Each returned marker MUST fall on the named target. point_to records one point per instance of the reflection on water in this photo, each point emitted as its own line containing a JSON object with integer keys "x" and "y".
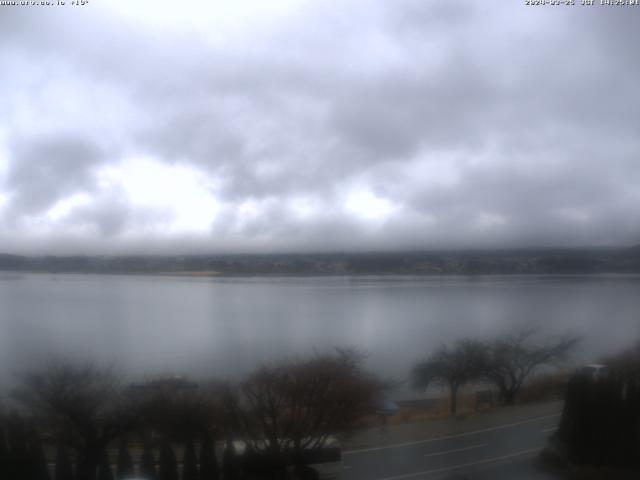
{"x": 224, "y": 326}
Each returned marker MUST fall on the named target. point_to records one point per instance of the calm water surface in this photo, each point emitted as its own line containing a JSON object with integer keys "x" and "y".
{"x": 225, "y": 326}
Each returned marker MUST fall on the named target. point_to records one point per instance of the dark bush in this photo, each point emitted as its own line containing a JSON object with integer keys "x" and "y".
{"x": 168, "y": 465}
{"x": 230, "y": 463}
{"x": 39, "y": 469}
{"x": 104, "y": 467}
{"x": 4, "y": 454}
{"x": 148, "y": 463}
{"x": 18, "y": 463}
{"x": 600, "y": 423}
{"x": 63, "y": 470}
{"x": 125, "y": 462}
{"x": 189, "y": 462}
{"x": 209, "y": 469}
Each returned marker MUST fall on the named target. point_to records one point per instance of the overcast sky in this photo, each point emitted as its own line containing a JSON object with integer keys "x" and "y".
{"x": 218, "y": 126}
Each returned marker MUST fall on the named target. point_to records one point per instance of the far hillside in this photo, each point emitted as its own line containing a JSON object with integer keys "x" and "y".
{"x": 460, "y": 262}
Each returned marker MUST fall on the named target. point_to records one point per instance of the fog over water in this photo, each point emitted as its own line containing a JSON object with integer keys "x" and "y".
{"x": 226, "y": 326}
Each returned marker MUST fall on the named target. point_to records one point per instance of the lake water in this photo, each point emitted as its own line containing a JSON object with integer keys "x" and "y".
{"x": 225, "y": 326}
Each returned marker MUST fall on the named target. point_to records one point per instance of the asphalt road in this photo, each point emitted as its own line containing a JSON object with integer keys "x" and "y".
{"x": 501, "y": 451}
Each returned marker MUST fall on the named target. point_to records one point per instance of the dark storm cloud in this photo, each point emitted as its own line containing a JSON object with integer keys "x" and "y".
{"x": 468, "y": 124}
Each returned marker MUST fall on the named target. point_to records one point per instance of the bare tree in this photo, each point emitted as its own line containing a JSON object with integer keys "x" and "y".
{"x": 453, "y": 367}
{"x": 179, "y": 409}
{"x": 293, "y": 408}
{"x": 82, "y": 406}
{"x": 513, "y": 357}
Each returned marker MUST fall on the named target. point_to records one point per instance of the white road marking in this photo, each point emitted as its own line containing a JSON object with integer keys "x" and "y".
{"x": 456, "y": 450}
{"x": 447, "y": 437}
{"x": 463, "y": 465}
{"x": 550, "y": 429}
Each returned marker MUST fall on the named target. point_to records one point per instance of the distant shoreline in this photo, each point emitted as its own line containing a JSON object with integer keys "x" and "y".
{"x": 219, "y": 275}
{"x": 472, "y": 262}
{"x": 204, "y": 273}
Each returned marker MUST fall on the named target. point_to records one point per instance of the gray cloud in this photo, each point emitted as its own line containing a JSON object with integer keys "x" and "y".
{"x": 470, "y": 126}
{"x": 111, "y": 215}
{"x": 44, "y": 170}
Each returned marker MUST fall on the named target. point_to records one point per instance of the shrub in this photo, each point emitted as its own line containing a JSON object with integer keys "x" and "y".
{"x": 600, "y": 423}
